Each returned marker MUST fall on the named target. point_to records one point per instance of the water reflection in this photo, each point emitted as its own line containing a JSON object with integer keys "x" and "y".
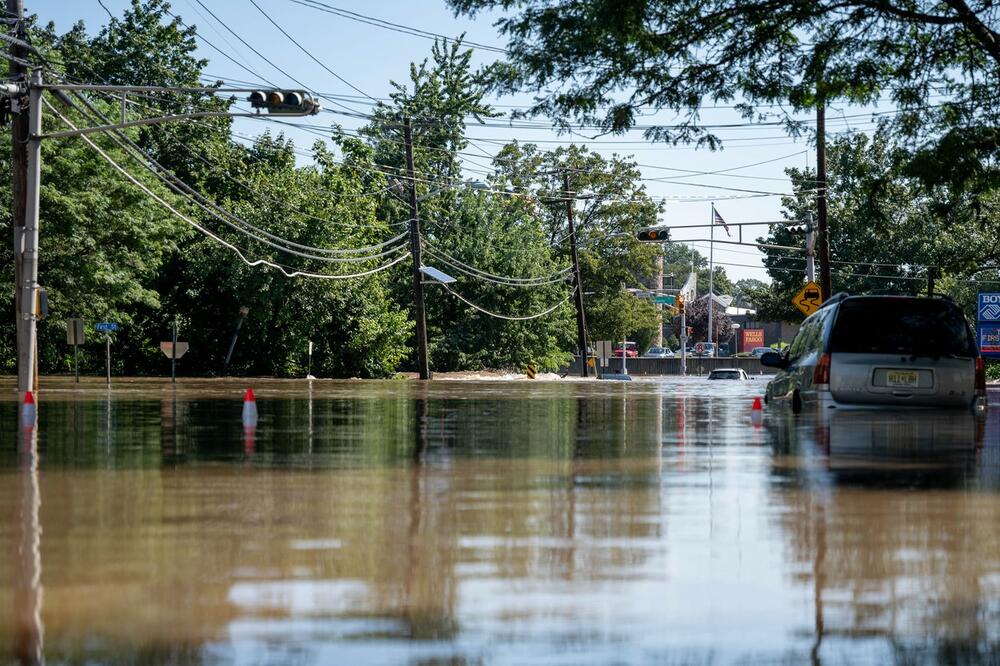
{"x": 392, "y": 523}
{"x": 898, "y": 555}
{"x": 28, "y": 633}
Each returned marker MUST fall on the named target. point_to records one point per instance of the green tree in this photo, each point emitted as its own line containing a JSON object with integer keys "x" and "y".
{"x": 607, "y": 61}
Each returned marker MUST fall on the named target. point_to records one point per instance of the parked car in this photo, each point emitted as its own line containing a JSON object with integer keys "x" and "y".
{"x": 757, "y": 352}
{"x": 658, "y": 352}
{"x": 631, "y": 351}
{"x": 867, "y": 351}
{"x": 729, "y": 373}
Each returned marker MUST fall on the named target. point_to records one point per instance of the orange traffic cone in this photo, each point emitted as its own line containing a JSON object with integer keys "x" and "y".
{"x": 756, "y": 413}
{"x": 249, "y": 409}
{"x": 29, "y": 411}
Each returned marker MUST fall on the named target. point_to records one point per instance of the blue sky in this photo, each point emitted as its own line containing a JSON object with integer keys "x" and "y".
{"x": 369, "y": 57}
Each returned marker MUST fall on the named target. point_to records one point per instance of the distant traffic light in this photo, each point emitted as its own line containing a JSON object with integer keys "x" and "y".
{"x": 680, "y": 304}
{"x": 652, "y": 235}
{"x": 285, "y": 102}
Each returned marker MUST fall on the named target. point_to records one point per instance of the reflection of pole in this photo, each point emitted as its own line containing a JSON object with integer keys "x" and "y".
{"x": 819, "y": 580}
{"x": 581, "y": 319}
{"x": 28, "y": 632}
{"x": 107, "y": 356}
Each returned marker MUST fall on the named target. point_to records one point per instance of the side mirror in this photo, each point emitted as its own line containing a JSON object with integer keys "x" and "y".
{"x": 774, "y": 360}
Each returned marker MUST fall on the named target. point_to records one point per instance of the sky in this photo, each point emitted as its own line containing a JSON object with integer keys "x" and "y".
{"x": 368, "y": 57}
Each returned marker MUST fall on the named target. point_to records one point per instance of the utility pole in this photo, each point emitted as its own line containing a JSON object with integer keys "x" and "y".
{"x": 27, "y": 341}
{"x": 659, "y": 290}
{"x": 711, "y": 278}
{"x": 810, "y": 248}
{"x": 823, "y": 228}
{"x": 19, "y": 161}
{"x": 423, "y": 365}
{"x": 581, "y": 319}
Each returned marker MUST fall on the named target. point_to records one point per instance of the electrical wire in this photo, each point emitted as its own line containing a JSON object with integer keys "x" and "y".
{"x": 496, "y": 279}
{"x": 254, "y": 262}
{"x": 506, "y": 317}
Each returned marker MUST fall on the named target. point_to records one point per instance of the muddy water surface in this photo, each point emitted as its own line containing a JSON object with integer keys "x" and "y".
{"x": 501, "y": 522}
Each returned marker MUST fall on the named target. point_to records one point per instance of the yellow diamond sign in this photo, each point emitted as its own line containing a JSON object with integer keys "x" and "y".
{"x": 809, "y": 298}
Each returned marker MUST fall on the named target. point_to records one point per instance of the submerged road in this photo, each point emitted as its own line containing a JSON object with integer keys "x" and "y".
{"x": 504, "y": 522}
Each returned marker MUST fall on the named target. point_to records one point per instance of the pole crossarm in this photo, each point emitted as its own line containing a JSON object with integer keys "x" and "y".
{"x": 146, "y": 121}
{"x": 141, "y": 89}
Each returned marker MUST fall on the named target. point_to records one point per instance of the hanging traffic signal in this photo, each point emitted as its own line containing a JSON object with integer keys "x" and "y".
{"x": 679, "y": 302}
{"x": 652, "y": 235}
{"x": 285, "y": 102}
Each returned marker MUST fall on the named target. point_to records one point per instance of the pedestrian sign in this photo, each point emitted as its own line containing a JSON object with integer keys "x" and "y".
{"x": 809, "y": 298}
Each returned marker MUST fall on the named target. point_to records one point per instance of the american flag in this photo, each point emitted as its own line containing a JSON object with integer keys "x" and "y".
{"x": 718, "y": 220}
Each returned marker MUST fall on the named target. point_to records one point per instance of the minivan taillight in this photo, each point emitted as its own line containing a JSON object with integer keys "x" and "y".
{"x": 980, "y": 376}
{"x": 822, "y": 373}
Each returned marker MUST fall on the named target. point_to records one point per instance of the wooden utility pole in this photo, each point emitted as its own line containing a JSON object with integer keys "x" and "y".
{"x": 19, "y": 156}
{"x": 822, "y": 227}
{"x": 581, "y": 319}
{"x": 423, "y": 364}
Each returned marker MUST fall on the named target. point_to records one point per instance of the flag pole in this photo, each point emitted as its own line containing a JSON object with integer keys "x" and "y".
{"x": 711, "y": 276}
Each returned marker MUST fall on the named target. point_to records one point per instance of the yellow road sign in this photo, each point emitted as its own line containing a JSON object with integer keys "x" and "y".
{"x": 809, "y": 298}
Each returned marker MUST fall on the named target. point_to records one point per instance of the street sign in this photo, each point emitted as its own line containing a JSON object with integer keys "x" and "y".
{"x": 989, "y": 339}
{"x": 665, "y": 299}
{"x": 809, "y": 298}
{"x": 106, "y": 326}
{"x": 699, "y": 348}
{"x": 168, "y": 348}
{"x": 988, "y": 307}
{"x": 75, "y": 332}
{"x": 530, "y": 371}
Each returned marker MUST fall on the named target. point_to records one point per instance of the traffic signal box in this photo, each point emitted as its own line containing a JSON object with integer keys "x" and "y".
{"x": 652, "y": 235}
{"x": 287, "y": 102}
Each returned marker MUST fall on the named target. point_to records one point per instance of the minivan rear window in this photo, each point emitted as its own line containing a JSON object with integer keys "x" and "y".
{"x": 923, "y": 327}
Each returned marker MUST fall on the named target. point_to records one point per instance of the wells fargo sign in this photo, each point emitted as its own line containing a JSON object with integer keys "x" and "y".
{"x": 752, "y": 337}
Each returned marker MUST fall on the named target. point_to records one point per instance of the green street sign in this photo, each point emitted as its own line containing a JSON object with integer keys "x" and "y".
{"x": 666, "y": 300}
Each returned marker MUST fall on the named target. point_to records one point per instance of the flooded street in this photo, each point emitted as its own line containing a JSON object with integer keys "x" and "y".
{"x": 517, "y": 522}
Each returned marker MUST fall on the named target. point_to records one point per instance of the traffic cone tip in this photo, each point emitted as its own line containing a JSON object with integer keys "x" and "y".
{"x": 29, "y": 399}
{"x": 249, "y": 396}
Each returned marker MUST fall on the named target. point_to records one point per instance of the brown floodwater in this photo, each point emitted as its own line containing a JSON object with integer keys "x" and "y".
{"x": 505, "y": 522}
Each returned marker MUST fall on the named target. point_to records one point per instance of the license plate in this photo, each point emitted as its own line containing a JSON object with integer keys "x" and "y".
{"x": 904, "y": 378}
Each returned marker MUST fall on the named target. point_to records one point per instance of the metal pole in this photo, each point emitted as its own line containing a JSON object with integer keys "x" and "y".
{"x": 581, "y": 318}
{"x": 29, "y": 267}
{"x": 826, "y": 283}
{"x": 107, "y": 357}
{"x": 423, "y": 363}
{"x": 711, "y": 275}
{"x": 624, "y": 356}
{"x": 659, "y": 306}
{"x": 810, "y": 248}
{"x": 19, "y": 164}
{"x": 232, "y": 343}
{"x": 173, "y": 356}
{"x": 76, "y": 362}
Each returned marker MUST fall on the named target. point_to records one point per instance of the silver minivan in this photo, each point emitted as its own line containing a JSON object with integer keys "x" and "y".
{"x": 864, "y": 351}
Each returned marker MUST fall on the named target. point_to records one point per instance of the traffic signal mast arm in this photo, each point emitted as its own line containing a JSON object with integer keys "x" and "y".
{"x": 276, "y": 102}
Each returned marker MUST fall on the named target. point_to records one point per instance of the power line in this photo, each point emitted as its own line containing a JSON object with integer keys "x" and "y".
{"x": 506, "y": 317}
{"x": 255, "y": 262}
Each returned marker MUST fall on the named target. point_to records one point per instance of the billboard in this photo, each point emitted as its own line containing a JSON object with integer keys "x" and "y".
{"x": 752, "y": 337}
{"x": 988, "y": 323}
{"x": 989, "y": 339}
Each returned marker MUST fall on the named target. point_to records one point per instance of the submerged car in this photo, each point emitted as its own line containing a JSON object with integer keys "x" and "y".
{"x": 868, "y": 351}
{"x": 658, "y": 352}
{"x": 737, "y": 374}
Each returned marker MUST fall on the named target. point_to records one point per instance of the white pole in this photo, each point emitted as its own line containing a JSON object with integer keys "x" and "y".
{"x": 711, "y": 276}
{"x": 29, "y": 273}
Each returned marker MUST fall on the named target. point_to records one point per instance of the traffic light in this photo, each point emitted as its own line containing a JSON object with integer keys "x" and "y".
{"x": 652, "y": 235}
{"x": 285, "y": 102}
{"x": 679, "y": 302}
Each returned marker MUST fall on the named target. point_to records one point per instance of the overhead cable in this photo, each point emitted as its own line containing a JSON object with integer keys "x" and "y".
{"x": 500, "y": 316}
